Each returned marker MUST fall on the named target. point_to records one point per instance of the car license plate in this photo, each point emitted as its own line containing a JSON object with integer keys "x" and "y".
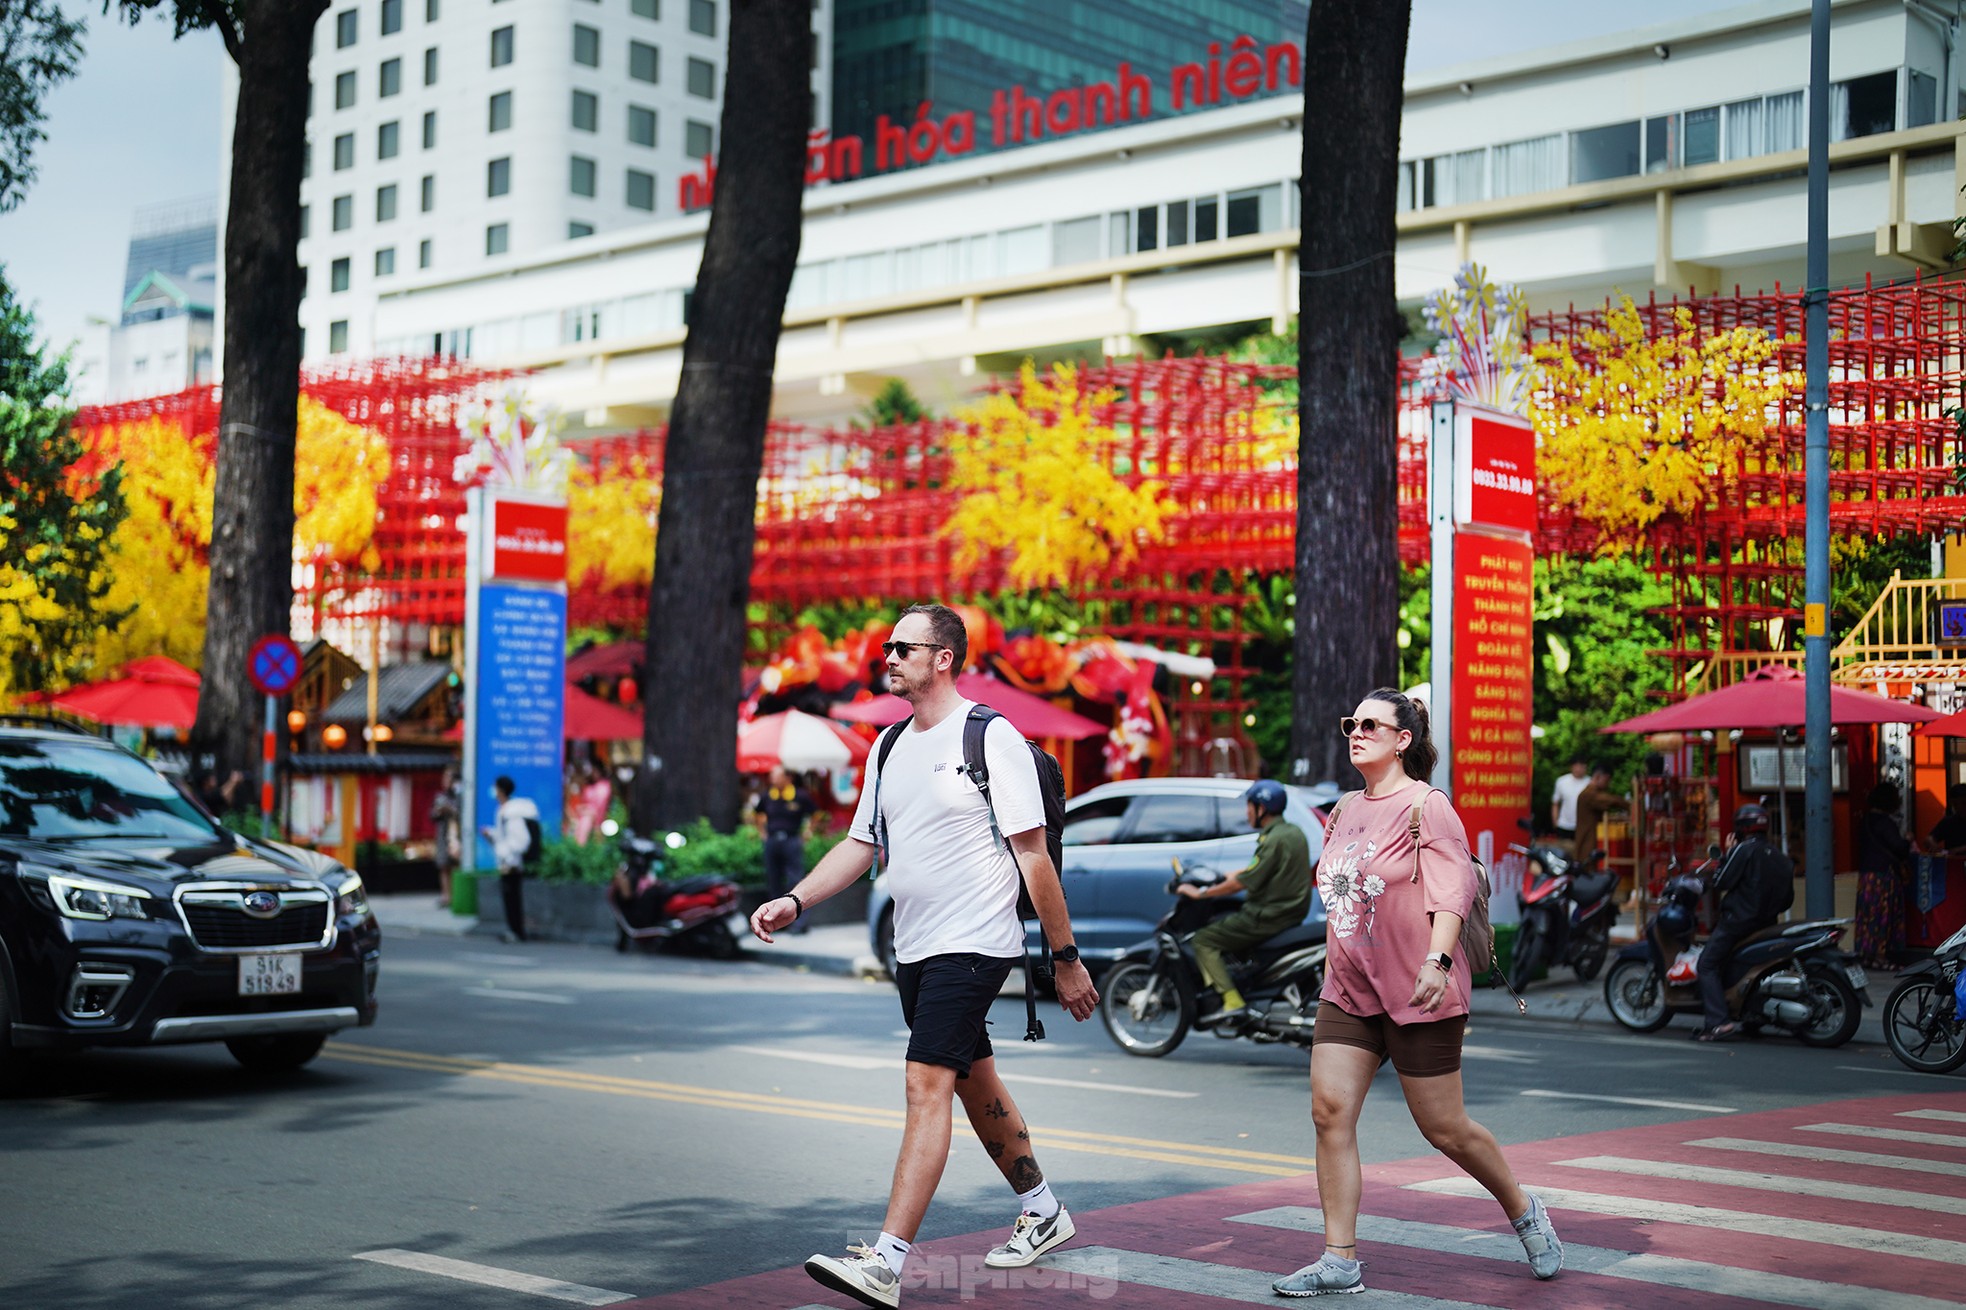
{"x": 269, "y": 975}
{"x": 1858, "y": 978}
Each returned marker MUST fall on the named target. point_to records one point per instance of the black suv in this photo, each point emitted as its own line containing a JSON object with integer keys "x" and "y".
{"x": 129, "y": 917}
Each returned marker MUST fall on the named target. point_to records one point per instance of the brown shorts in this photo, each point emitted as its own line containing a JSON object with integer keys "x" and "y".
{"x": 1418, "y": 1050}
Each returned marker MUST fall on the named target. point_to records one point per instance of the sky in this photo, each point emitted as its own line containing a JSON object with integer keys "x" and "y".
{"x": 140, "y": 123}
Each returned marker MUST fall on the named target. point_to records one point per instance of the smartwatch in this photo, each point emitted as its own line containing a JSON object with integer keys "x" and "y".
{"x": 1443, "y": 959}
{"x": 1066, "y": 954}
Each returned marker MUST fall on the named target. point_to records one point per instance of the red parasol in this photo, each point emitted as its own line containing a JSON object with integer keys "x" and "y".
{"x": 154, "y": 692}
{"x": 1034, "y": 716}
{"x": 589, "y": 718}
{"x": 1770, "y": 697}
{"x": 798, "y": 741}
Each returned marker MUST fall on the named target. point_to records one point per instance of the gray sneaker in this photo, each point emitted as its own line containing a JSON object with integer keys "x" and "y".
{"x": 1538, "y": 1236}
{"x": 1324, "y": 1278}
{"x": 861, "y": 1274}
{"x": 1030, "y": 1238}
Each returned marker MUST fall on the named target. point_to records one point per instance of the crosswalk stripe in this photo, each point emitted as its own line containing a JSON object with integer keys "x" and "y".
{"x": 1767, "y": 1182}
{"x": 1654, "y": 1270}
{"x": 1628, "y": 1100}
{"x": 1869, "y": 1240}
{"x": 1942, "y": 1116}
{"x": 1886, "y": 1134}
{"x": 1832, "y": 1155}
{"x": 1223, "y": 1282}
{"x": 491, "y": 1276}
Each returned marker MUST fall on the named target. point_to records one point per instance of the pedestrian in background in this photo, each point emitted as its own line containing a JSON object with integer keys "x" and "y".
{"x": 511, "y": 836}
{"x": 1594, "y": 802}
{"x": 1396, "y": 986}
{"x": 957, "y": 936}
{"x": 446, "y": 817}
{"x": 783, "y": 812}
{"x": 1883, "y": 880}
{"x": 1563, "y": 797}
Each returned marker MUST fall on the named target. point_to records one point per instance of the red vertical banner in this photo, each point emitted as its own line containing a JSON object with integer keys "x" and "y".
{"x": 1493, "y": 665}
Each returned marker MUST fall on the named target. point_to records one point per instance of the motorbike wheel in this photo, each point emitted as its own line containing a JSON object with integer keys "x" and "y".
{"x": 1146, "y": 1011}
{"x": 1636, "y": 996}
{"x": 1527, "y": 956}
{"x": 1917, "y": 1027}
{"x": 720, "y": 943}
{"x": 1835, "y": 1003}
{"x": 1593, "y": 951}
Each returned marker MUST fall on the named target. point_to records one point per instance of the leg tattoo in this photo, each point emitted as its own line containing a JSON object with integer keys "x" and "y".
{"x": 995, "y": 1109}
{"x": 996, "y": 1149}
{"x": 1025, "y": 1174}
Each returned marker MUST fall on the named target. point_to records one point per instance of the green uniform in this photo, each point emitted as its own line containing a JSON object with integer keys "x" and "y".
{"x": 1277, "y": 895}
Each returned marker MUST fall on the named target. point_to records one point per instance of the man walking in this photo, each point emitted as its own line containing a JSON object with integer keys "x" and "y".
{"x": 1278, "y": 882}
{"x": 956, "y": 935}
{"x": 511, "y": 836}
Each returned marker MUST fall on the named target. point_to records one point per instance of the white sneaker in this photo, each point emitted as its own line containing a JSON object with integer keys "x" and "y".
{"x": 861, "y": 1274}
{"x": 1030, "y": 1238}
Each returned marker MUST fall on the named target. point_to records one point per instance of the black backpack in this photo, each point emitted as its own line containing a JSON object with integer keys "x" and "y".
{"x": 535, "y": 845}
{"x": 1051, "y": 787}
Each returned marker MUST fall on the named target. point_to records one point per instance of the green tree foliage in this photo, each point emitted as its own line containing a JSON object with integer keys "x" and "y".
{"x": 39, "y": 47}
{"x": 54, "y": 527}
{"x": 893, "y": 404}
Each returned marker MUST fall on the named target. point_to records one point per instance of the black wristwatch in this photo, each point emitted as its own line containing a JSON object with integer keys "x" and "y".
{"x": 1066, "y": 954}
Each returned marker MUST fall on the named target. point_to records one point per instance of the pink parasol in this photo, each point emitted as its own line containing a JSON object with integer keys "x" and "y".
{"x": 1770, "y": 697}
{"x": 798, "y": 741}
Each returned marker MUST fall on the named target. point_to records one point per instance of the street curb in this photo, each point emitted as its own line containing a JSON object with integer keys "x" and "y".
{"x": 860, "y": 966}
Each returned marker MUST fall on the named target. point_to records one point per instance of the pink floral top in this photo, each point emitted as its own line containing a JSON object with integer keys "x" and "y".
{"x": 1379, "y": 920}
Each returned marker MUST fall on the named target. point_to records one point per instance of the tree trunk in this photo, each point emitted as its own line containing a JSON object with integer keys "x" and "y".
{"x": 1347, "y": 367}
{"x": 715, "y": 450}
{"x": 253, "y": 504}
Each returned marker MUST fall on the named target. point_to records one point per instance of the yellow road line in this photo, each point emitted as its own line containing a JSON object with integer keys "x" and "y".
{"x": 1065, "y": 1139}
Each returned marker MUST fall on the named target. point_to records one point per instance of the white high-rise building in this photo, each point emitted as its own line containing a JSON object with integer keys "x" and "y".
{"x": 446, "y": 136}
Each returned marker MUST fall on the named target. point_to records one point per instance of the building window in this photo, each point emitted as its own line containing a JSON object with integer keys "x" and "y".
{"x": 430, "y": 66}
{"x": 586, "y": 45}
{"x": 497, "y": 237}
{"x": 385, "y": 203}
{"x": 423, "y": 253}
{"x": 345, "y": 25}
{"x": 645, "y": 8}
{"x": 642, "y": 59}
{"x": 703, "y": 17}
{"x": 641, "y": 126}
{"x": 586, "y": 111}
{"x": 575, "y": 231}
{"x": 699, "y": 140}
{"x": 1863, "y": 106}
{"x": 1250, "y": 212}
{"x": 392, "y": 17}
{"x": 344, "y": 151}
{"x": 641, "y": 189}
{"x": 498, "y": 177}
{"x": 344, "y": 90}
{"x": 430, "y": 129}
{"x": 431, "y": 9}
{"x": 338, "y": 337}
{"x": 344, "y": 213}
{"x": 338, "y": 275}
{"x": 501, "y": 111}
{"x": 1525, "y": 167}
{"x": 385, "y": 261}
{"x": 306, "y": 159}
{"x": 388, "y": 140}
{"x": 501, "y": 47}
{"x": 1598, "y": 153}
{"x": 303, "y": 222}
{"x": 702, "y": 78}
{"x": 580, "y": 176}
{"x": 427, "y": 193}
{"x": 303, "y": 281}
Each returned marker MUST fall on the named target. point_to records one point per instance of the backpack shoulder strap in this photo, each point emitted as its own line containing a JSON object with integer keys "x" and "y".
{"x": 1413, "y": 829}
{"x": 881, "y": 753}
{"x": 976, "y": 762}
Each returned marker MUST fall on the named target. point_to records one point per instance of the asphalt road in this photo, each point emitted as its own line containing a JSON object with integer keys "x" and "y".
{"x": 644, "y": 1125}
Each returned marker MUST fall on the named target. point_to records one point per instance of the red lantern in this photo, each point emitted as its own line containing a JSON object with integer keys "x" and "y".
{"x": 626, "y": 691}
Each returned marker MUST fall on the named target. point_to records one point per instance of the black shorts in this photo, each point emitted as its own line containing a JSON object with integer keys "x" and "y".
{"x": 946, "y": 1002}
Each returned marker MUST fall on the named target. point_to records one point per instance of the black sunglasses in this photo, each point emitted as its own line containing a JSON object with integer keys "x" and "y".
{"x": 908, "y": 648}
{"x": 1349, "y": 725}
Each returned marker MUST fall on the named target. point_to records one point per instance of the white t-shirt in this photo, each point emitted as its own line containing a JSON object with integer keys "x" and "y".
{"x": 1565, "y": 793}
{"x": 954, "y": 885}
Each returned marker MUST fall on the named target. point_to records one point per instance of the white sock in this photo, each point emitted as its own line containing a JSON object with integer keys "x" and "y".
{"x": 1039, "y": 1201}
{"x": 893, "y": 1250}
{"x": 1341, "y": 1261}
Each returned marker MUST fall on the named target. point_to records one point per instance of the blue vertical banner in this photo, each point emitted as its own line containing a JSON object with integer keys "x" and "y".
{"x": 519, "y": 701}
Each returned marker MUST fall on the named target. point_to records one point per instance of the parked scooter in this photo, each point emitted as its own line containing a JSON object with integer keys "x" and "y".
{"x": 1923, "y": 1024}
{"x": 1567, "y": 912}
{"x": 1790, "y": 977}
{"x": 697, "y": 914}
{"x": 1152, "y": 996}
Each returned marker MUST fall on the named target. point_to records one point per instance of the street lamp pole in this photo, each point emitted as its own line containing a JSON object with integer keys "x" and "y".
{"x": 1816, "y": 828}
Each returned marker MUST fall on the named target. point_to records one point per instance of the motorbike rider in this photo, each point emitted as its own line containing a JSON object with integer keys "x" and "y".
{"x": 1278, "y": 883}
{"x": 1754, "y": 887}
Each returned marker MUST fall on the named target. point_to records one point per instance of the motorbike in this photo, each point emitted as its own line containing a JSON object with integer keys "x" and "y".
{"x": 697, "y": 914}
{"x": 1567, "y": 912}
{"x": 1153, "y": 995}
{"x": 1923, "y": 1025}
{"x": 1790, "y": 977}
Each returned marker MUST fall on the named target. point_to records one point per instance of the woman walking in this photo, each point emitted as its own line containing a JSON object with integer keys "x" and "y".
{"x": 1396, "y": 985}
{"x": 1883, "y": 880}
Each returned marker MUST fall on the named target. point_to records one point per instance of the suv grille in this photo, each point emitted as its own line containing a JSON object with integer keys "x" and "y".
{"x": 218, "y": 921}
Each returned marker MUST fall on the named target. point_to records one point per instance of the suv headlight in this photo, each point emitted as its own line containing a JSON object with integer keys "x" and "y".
{"x": 352, "y": 901}
{"x": 84, "y": 898}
